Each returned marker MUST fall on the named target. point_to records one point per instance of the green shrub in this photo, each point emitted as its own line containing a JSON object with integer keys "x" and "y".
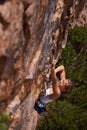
{"x": 4, "y": 119}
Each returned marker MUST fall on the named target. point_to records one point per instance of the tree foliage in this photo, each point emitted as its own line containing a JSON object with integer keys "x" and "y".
{"x": 69, "y": 112}
{"x": 4, "y": 119}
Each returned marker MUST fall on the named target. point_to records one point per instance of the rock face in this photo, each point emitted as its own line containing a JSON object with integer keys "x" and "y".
{"x": 33, "y": 33}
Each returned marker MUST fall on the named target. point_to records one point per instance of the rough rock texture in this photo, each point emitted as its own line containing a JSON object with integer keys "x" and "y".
{"x": 33, "y": 33}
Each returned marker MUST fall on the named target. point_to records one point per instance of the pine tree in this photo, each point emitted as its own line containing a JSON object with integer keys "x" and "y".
{"x": 69, "y": 112}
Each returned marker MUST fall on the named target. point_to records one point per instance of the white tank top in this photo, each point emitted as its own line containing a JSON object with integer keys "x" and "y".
{"x": 45, "y": 98}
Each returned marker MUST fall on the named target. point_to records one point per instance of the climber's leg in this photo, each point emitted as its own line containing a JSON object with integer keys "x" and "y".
{"x": 40, "y": 107}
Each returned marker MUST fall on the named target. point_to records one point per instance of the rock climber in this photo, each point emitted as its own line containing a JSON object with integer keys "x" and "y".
{"x": 54, "y": 89}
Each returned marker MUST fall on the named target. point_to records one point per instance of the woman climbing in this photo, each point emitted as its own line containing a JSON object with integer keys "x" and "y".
{"x": 54, "y": 89}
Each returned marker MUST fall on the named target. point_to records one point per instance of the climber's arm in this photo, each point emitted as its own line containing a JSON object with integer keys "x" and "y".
{"x": 61, "y": 70}
{"x": 56, "y": 92}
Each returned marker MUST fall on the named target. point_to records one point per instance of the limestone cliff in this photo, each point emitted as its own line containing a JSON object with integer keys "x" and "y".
{"x": 33, "y": 33}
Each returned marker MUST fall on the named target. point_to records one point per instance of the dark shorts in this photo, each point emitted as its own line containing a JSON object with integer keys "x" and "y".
{"x": 40, "y": 107}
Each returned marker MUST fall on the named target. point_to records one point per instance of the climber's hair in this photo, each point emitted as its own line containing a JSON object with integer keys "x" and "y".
{"x": 69, "y": 87}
